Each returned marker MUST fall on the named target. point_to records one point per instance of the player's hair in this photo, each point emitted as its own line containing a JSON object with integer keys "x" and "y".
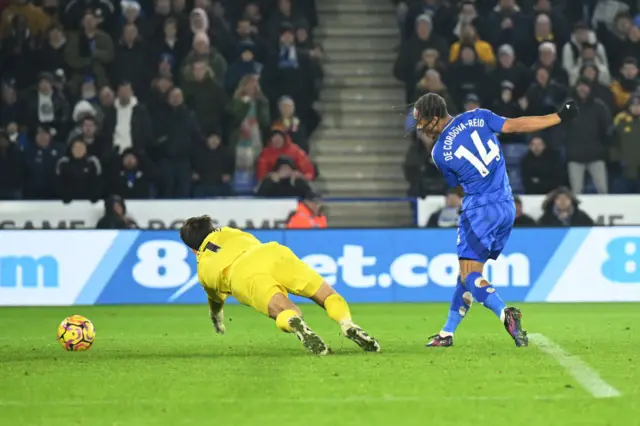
{"x": 195, "y": 229}
{"x": 428, "y": 107}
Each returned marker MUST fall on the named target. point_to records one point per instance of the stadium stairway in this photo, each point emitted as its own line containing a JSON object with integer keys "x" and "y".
{"x": 360, "y": 145}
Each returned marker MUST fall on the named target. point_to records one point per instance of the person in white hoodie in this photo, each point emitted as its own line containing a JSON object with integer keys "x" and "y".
{"x": 573, "y": 57}
{"x": 128, "y": 121}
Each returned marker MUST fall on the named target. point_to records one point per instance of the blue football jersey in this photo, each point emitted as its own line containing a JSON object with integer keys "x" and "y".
{"x": 468, "y": 153}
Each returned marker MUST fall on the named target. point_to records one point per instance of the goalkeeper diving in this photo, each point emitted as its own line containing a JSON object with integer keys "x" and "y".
{"x": 233, "y": 262}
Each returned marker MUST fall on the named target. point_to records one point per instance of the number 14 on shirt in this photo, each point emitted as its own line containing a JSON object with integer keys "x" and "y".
{"x": 485, "y": 157}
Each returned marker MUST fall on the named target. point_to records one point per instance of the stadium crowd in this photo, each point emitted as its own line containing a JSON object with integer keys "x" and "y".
{"x": 527, "y": 57}
{"x": 157, "y": 98}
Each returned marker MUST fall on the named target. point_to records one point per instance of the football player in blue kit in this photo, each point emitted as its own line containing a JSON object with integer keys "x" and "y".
{"x": 467, "y": 152}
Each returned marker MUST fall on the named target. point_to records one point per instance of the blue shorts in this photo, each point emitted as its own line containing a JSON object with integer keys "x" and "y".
{"x": 484, "y": 231}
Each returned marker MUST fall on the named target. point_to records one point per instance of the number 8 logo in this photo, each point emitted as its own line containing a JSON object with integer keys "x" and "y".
{"x": 162, "y": 264}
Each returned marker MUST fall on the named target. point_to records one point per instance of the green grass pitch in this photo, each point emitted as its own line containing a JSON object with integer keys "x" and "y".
{"x": 164, "y": 366}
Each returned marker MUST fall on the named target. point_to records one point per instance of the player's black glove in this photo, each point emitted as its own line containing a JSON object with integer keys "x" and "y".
{"x": 568, "y": 112}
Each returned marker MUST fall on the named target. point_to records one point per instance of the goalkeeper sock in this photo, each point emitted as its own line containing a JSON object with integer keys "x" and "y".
{"x": 460, "y": 305}
{"x": 337, "y": 308}
{"x": 485, "y": 293}
{"x": 282, "y": 320}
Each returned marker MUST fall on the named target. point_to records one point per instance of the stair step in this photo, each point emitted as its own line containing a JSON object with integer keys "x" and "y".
{"x": 350, "y": 69}
{"x": 355, "y": 175}
{"x": 363, "y": 120}
{"x": 362, "y": 81}
{"x": 355, "y": 133}
{"x": 343, "y": 107}
{"x": 361, "y": 95}
{"x": 370, "y": 208}
{"x": 336, "y": 44}
{"x": 387, "y": 57}
{"x": 392, "y": 186}
{"x": 366, "y": 159}
{"x": 366, "y": 20}
{"x": 350, "y": 30}
{"x": 350, "y": 147}
{"x": 364, "y": 7}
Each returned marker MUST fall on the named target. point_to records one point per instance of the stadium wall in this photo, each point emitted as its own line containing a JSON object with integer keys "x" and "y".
{"x": 86, "y": 267}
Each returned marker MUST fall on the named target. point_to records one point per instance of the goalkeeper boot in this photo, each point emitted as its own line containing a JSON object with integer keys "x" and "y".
{"x": 513, "y": 325}
{"x": 440, "y": 341}
{"x": 309, "y": 339}
{"x": 360, "y": 337}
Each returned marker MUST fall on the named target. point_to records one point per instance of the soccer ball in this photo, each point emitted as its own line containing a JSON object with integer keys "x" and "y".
{"x": 76, "y": 333}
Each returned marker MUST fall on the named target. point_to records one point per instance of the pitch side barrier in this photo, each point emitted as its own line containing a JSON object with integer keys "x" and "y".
{"x": 87, "y": 267}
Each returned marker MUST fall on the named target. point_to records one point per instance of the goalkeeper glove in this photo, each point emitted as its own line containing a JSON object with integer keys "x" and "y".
{"x": 568, "y": 112}
{"x": 218, "y": 322}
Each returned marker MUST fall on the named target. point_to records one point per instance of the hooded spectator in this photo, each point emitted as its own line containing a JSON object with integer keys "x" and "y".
{"x": 522, "y": 220}
{"x": 411, "y": 52}
{"x": 206, "y": 17}
{"x": 89, "y": 52}
{"x": 51, "y": 55}
{"x": 309, "y": 214}
{"x": 573, "y": 56}
{"x": 115, "y": 217}
{"x": 541, "y": 168}
{"x": 12, "y": 169}
{"x": 18, "y": 55}
{"x": 432, "y": 83}
{"x": 178, "y": 143}
{"x": 449, "y": 215}
{"x": 544, "y": 96}
{"x": 132, "y": 62}
{"x": 467, "y": 75}
{"x": 213, "y": 169}
{"x": 284, "y": 180}
{"x": 586, "y": 140}
{"x": 288, "y": 123}
{"x": 131, "y": 179}
{"x": 509, "y": 69}
{"x": 36, "y": 20}
{"x": 79, "y": 175}
{"x": 244, "y": 64}
{"x": 206, "y": 97}
{"x": 203, "y": 51}
{"x": 107, "y": 13}
{"x": 591, "y": 72}
{"x": 41, "y": 158}
{"x": 171, "y": 44}
{"x": 469, "y": 37}
{"x": 627, "y": 83}
{"x": 547, "y": 58}
{"x": 280, "y": 145}
{"x": 561, "y": 210}
{"x": 626, "y": 148}
{"x": 45, "y": 106}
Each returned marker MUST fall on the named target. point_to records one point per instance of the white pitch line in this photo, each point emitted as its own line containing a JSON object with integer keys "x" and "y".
{"x": 588, "y": 378}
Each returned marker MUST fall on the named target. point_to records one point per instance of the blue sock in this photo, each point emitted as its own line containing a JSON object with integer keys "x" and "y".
{"x": 458, "y": 308}
{"x": 485, "y": 293}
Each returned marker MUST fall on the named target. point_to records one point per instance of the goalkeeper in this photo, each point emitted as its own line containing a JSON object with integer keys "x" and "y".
{"x": 234, "y": 262}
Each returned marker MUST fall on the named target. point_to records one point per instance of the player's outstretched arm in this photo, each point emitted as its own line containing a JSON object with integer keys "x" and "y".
{"x": 216, "y": 303}
{"x": 533, "y": 124}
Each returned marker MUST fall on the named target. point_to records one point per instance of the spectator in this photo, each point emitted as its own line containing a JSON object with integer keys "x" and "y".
{"x": 559, "y": 22}
{"x": 107, "y": 13}
{"x": 131, "y": 14}
{"x": 131, "y": 179}
{"x": 244, "y": 64}
{"x": 131, "y": 62}
{"x": 203, "y": 51}
{"x": 254, "y": 16}
{"x": 544, "y": 96}
{"x": 45, "y": 106}
{"x": 171, "y": 45}
{"x": 616, "y": 41}
{"x": 15, "y": 135}
{"x": 469, "y": 37}
{"x": 309, "y": 214}
{"x": 246, "y": 32}
{"x": 522, "y": 220}
{"x": 442, "y": 14}
{"x": 411, "y": 52}
{"x": 547, "y": 58}
{"x": 41, "y": 158}
{"x": 11, "y": 169}
{"x": 632, "y": 44}
{"x": 11, "y": 110}
{"x": 97, "y": 145}
{"x": 160, "y": 88}
{"x": 430, "y": 60}
{"x": 561, "y": 209}
{"x": 506, "y": 105}
{"x": 507, "y": 23}
{"x": 80, "y": 111}
{"x": 584, "y": 46}
{"x": 284, "y": 14}
{"x": 216, "y": 27}
{"x": 51, "y": 55}
{"x": 179, "y": 141}
{"x": 90, "y": 52}
{"x": 284, "y": 180}
{"x": 600, "y": 91}
{"x": 626, "y": 84}
{"x": 250, "y": 125}
{"x": 626, "y": 149}
{"x": 423, "y": 177}
{"x": 162, "y": 13}
{"x": 115, "y": 215}
{"x": 206, "y": 98}
{"x": 508, "y": 69}
{"x": 432, "y": 83}
{"x": 467, "y": 15}
{"x": 213, "y": 169}
{"x": 288, "y": 123}
{"x": 471, "y": 102}
{"x": 36, "y": 20}
{"x": 449, "y": 215}
{"x": 18, "y": 56}
{"x": 79, "y": 175}
{"x": 280, "y": 145}
{"x": 541, "y": 168}
{"x": 586, "y": 138}
{"x": 467, "y": 75}
{"x": 605, "y": 12}
{"x": 128, "y": 121}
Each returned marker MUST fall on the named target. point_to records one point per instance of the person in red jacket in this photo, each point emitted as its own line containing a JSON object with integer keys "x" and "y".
{"x": 308, "y": 215}
{"x": 281, "y": 144}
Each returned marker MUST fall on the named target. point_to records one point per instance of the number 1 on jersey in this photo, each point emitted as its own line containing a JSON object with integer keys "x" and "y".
{"x": 485, "y": 157}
